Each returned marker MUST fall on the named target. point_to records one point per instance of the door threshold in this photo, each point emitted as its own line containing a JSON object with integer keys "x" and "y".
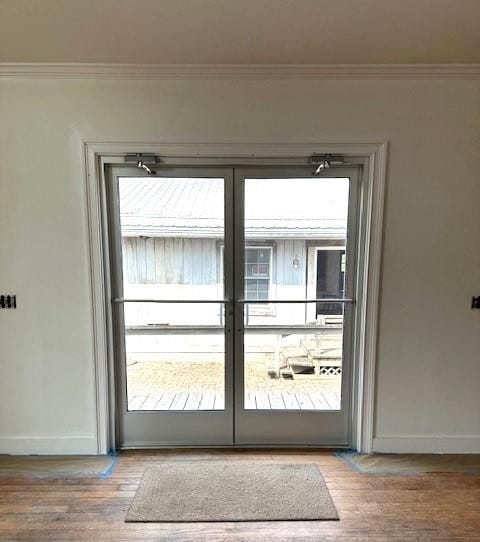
{"x": 236, "y": 448}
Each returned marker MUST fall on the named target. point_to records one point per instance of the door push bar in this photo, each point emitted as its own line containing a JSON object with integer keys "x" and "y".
{"x": 229, "y": 301}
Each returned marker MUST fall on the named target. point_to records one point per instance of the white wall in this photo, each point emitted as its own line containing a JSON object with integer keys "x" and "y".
{"x": 428, "y": 357}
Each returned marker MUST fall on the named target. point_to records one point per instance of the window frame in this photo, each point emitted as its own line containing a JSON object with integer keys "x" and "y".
{"x": 262, "y": 309}
{"x": 270, "y": 268}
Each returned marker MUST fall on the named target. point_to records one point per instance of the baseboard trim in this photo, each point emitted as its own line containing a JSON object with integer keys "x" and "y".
{"x": 433, "y": 444}
{"x": 48, "y": 445}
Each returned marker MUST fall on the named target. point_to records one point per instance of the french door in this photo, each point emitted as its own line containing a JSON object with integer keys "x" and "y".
{"x": 233, "y": 303}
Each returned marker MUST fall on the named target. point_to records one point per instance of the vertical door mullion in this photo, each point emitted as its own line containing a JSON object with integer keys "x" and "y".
{"x": 116, "y": 266}
{"x": 229, "y": 295}
{"x": 239, "y": 285}
{"x": 350, "y": 292}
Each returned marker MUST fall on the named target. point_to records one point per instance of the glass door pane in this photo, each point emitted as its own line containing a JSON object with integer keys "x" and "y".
{"x": 173, "y": 363}
{"x": 172, "y": 237}
{"x": 295, "y": 257}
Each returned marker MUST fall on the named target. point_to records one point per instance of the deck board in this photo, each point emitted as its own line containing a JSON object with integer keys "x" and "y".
{"x": 179, "y": 401}
{"x": 250, "y": 402}
{"x": 304, "y": 400}
{"x": 261, "y": 400}
{"x": 207, "y": 402}
{"x": 151, "y": 401}
{"x": 219, "y": 401}
{"x": 276, "y": 401}
{"x": 193, "y": 401}
{"x": 319, "y": 401}
{"x": 290, "y": 400}
{"x": 166, "y": 401}
{"x": 333, "y": 399}
{"x": 137, "y": 402}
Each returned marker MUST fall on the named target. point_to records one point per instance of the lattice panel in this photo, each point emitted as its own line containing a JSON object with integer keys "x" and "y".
{"x": 330, "y": 371}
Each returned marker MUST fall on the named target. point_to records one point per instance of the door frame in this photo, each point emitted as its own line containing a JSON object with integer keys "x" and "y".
{"x": 176, "y": 428}
{"x": 312, "y": 255}
{"x": 371, "y": 156}
{"x": 267, "y": 426}
{"x": 234, "y": 425}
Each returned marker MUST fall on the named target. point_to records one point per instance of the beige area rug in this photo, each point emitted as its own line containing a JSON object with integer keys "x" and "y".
{"x": 56, "y": 465}
{"x": 412, "y": 463}
{"x": 231, "y": 491}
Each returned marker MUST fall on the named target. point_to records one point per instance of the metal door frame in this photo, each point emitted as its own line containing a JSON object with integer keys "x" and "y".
{"x": 169, "y": 428}
{"x": 297, "y": 427}
{"x": 234, "y": 426}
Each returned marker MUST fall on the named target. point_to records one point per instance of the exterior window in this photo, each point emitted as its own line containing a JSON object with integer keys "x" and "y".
{"x": 257, "y": 272}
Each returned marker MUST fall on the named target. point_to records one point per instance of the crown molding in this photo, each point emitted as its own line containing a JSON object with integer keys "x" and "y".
{"x": 238, "y": 71}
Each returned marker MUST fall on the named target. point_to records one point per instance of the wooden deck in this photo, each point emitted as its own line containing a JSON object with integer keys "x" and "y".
{"x": 254, "y": 400}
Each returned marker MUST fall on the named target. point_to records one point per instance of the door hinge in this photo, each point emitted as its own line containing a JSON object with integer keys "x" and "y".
{"x": 475, "y": 302}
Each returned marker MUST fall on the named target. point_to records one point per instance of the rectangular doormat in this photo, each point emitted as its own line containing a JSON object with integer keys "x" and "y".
{"x": 231, "y": 491}
{"x": 56, "y": 465}
{"x": 412, "y": 463}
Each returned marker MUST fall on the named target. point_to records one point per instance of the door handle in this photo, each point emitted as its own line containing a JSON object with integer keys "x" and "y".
{"x": 229, "y": 309}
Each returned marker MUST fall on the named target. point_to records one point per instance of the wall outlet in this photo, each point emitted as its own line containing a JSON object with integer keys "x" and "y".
{"x": 8, "y": 301}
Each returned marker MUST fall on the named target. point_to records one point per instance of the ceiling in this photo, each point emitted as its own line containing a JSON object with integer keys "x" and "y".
{"x": 241, "y": 31}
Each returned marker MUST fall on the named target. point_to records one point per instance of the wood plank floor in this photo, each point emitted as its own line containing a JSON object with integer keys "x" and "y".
{"x": 284, "y": 400}
{"x": 430, "y": 507}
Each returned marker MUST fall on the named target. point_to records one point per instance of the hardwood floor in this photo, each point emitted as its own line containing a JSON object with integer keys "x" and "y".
{"x": 429, "y": 507}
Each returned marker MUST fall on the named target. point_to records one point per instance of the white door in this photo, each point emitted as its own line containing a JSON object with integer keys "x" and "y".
{"x": 218, "y": 339}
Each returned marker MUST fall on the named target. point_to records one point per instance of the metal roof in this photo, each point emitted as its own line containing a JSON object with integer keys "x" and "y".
{"x": 274, "y": 208}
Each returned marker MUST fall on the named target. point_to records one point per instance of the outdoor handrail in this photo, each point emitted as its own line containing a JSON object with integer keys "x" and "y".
{"x": 152, "y": 329}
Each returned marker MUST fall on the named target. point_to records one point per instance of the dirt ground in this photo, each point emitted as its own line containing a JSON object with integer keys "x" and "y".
{"x": 150, "y": 376}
